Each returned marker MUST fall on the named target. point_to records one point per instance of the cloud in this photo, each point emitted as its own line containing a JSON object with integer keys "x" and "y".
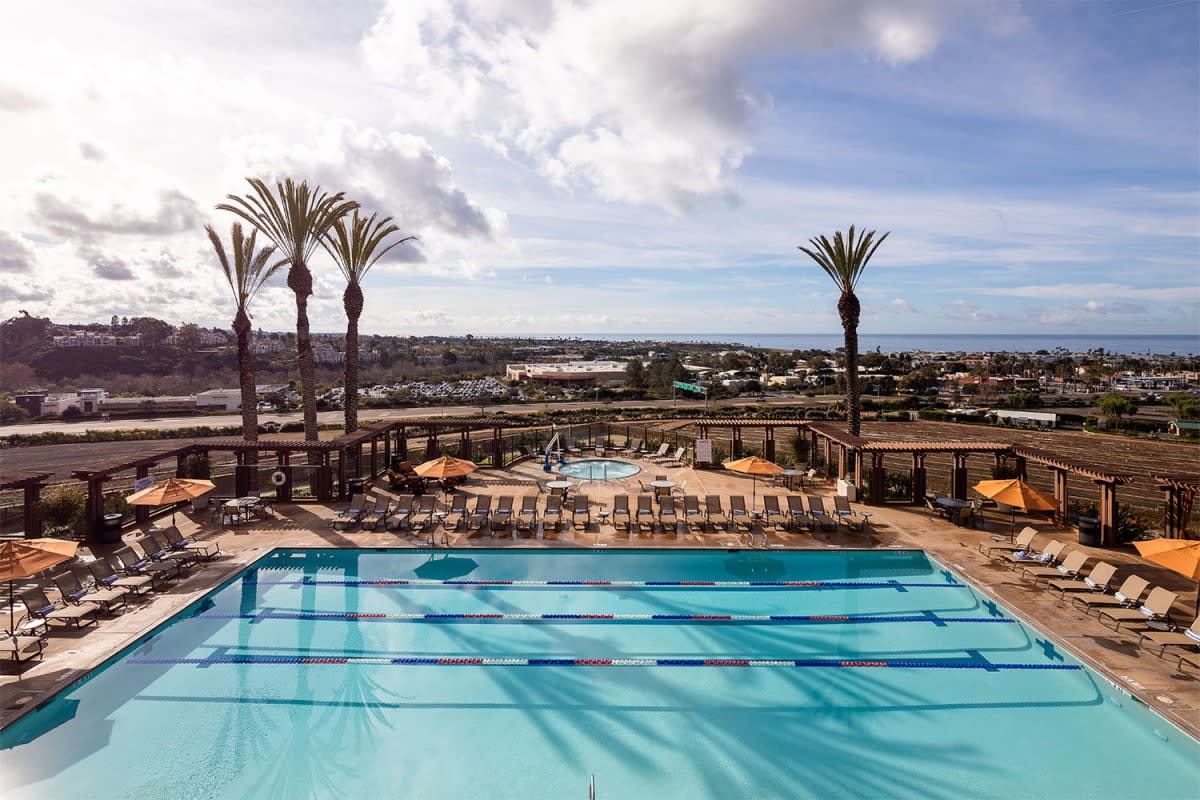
{"x": 15, "y": 255}
{"x": 965, "y": 310}
{"x": 1118, "y": 307}
{"x": 26, "y": 294}
{"x": 900, "y": 304}
{"x": 549, "y": 280}
{"x": 1088, "y": 289}
{"x": 1055, "y": 318}
{"x": 110, "y": 267}
{"x": 14, "y": 100}
{"x": 170, "y": 212}
{"x": 90, "y": 151}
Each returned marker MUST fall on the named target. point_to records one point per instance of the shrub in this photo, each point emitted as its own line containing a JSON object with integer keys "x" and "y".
{"x": 63, "y": 507}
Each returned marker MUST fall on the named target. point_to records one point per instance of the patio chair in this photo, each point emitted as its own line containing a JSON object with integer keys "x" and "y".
{"x": 483, "y": 510}
{"x": 1192, "y": 659}
{"x": 156, "y": 550}
{"x": 645, "y": 513}
{"x": 1022, "y": 542}
{"x": 422, "y": 515}
{"x": 816, "y": 510}
{"x": 73, "y": 593}
{"x": 176, "y": 540}
{"x": 1096, "y": 581}
{"x": 581, "y": 512}
{"x": 680, "y": 490}
{"x": 552, "y": 516}
{"x": 692, "y": 514}
{"x": 401, "y": 513}
{"x": 738, "y": 514}
{"x": 797, "y": 515}
{"x": 502, "y": 514}
{"x": 845, "y": 514}
{"x": 104, "y": 575}
{"x": 1028, "y": 558}
{"x": 620, "y": 513}
{"x": 21, "y": 648}
{"x": 667, "y": 515}
{"x": 1157, "y": 607}
{"x": 1130, "y": 591}
{"x": 457, "y": 513}
{"x": 677, "y": 459}
{"x": 1165, "y": 639}
{"x": 352, "y": 513}
{"x": 772, "y": 513}
{"x": 631, "y": 447}
{"x": 131, "y": 563}
{"x": 377, "y": 515}
{"x": 1069, "y": 568}
{"x": 661, "y": 452}
{"x": 714, "y": 513}
{"x": 527, "y": 517}
{"x": 39, "y": 606}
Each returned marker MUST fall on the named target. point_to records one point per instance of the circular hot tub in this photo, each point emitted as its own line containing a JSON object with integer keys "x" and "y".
{"x": 599, "y": 469}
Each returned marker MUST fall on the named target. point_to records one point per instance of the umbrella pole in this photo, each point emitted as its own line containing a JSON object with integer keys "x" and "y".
{"x": 12, "y": 626}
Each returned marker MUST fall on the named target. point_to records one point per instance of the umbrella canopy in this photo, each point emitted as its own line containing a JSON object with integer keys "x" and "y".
{"x": 445, "y": 467}
{"x": 23, "y": 558}
{"x": 753, "y": 466}
{"x": 1016, "y": 493}
{"x": 170, "y": 491}
{"x": 1178, "y": 555}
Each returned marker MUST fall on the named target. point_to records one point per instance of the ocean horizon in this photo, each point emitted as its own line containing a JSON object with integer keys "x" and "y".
{"x": 1125, "y": 344}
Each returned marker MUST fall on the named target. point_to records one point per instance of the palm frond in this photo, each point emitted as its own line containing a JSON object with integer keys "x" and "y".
{"x": 844, "y": 259}
{"x": 357, "y": 246}
{"x": 294, "y": 217}
{"x": 248, "y": 270}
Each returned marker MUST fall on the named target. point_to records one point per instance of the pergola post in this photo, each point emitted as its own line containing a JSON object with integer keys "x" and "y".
{"x": 180, "y": 458}
{"x": 387, "y": 449}
{"x": 402, "y": 445}
{"x": 841, "y": 462}
{"x": 498, "y": 447}
{"x": 856, "y": 461}
{"x": 32, "y": 519}
{"x": 878, "y": 480}
{"x": 958, "y": 476}
{"x": 374, "y": 456}
{"x": 464, "y": 444}
{"x": 736, "y": 445}
{"x": 769, "y": 443}
{"x": 1061, "y": 495}
{"x": 1022, "y": 468}
{"x": 1108, "y": 513}
{"x": 141, "y": 514}
{"x": 95, "y": 508}
{"x": 918, "y": 479}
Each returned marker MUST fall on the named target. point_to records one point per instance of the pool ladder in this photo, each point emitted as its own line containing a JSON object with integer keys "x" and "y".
{"x": 592, "y": 788}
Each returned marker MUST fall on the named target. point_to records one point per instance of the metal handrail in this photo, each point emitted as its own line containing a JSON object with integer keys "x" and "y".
{"x": 592, "y": 788}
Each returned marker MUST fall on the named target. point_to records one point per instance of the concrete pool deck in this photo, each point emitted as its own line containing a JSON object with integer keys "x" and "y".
{"x": 1156, "y": 681}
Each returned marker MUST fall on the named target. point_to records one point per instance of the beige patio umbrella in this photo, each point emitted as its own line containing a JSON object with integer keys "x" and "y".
{"x": 170, "y": 492}
{"x": 753, "y": 466}
{"x": 445, "y": 467}
{"x": 24, "y": 558}
{"x": 1016, "y": 493}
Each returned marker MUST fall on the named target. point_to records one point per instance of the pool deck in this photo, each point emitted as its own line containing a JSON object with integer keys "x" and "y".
{"x": 1156, "y": 681}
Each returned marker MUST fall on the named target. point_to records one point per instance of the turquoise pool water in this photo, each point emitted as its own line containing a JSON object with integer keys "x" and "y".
{"x": 318, "y": 674}
{"x": 599, "y": 469}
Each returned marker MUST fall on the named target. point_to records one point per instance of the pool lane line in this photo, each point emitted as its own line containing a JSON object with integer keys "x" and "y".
{"x": 613, "y": 584}
{"x": 475, "y": 661}
{"x": 809, "y": 619}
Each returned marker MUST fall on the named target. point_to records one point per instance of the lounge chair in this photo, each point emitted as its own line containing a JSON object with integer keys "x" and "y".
{"x": 1192, "y": 659}
{"x": 772, "y": 514}
{"x": 816, "y": 510}
{"x": 1130, "y": 591}
{"x": 632, "y": 447}
{"x": 581, "y": 512}
{"x": 714, "y": 513}
{"x": 667, "y": 515}
{"x": 39, "y": 606}
{"x": 1022, "y": 542}
{"x": 205, "y": 550}
{"x": 661, "y": 452}
{"x": 1068, "y": 569}
{"x": 104, "y": 575}
{"x": 157, "y": 550}
{"x": 457, "y": 513}
{"x": 845, "y": 514}
{"x": 21, "y": 648}
{"x": 738, "y": 515}
{"x": 677, "y": 459}
{"x": 379, "y": 514}
{"x": 73, "y": 593}
{"x": 680, "y": 490}
{"x": 645, "y": 513}
{"x": 797, "y": 515}
{"x": 552, "y": 516}
{"x": 422, "y": 515}
{"x": 1165, "y": 639}
{"x": 620, "y": 513}
{"x": 692, "y": 514}
{"x": 1096, "y": 581}
{"x": 502, "y": 515}
{"x": 125, "y": 560}
{"x": 1028, "y": 558}
{"x": 401, "y": 513}
{"x": 1157, "y": 607}
{"x": 483, "y": 510}
{"x": 527, "y": 517}
{"x": 351, "y": 514}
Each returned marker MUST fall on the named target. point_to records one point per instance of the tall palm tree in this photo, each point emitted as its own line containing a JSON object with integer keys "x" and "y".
{"x": 355, "y": 247}
{"x": 294, "y": 219}
{"x": 246, "y": 273}
{"x": 844, "y": 260}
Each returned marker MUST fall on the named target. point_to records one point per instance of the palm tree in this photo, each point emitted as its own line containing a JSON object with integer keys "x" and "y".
{"x": 246, "y": 274}
{"x": 294, "y": 221}
{"x": 355, "y": 247}
{"x": 844, "y": 260}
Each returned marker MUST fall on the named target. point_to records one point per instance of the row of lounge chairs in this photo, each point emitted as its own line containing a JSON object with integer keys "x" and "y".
{"x": 104, "y": 586}
{"x": 1129, "y": 605}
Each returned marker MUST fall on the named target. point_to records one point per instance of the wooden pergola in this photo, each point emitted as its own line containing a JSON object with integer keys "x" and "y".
{"x": 1180, "y": 494}
{"x": 31, "y": 485}
{"x": 736, "y": 425}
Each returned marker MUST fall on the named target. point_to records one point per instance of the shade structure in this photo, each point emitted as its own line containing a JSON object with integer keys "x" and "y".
{"x": 1178, "y": 555}
{"x": 170, "y": 492}
{"x": 24, "y": 558}
{"x": 445, "y": 467}
{"x": 1016, "y": 493}
{"x": 753, "y": 466}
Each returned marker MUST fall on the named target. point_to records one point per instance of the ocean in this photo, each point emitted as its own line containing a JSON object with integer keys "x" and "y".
{"x": 1157, "y": 344}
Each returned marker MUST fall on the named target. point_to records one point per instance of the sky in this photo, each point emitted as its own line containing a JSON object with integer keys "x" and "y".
{"x": 617, "y": 166}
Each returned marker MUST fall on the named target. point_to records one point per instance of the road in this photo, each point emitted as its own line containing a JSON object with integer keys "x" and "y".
{"x": 366, "y": 415}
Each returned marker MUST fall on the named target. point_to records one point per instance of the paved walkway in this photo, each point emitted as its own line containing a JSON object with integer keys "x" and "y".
{"x": 1154, "y": 680}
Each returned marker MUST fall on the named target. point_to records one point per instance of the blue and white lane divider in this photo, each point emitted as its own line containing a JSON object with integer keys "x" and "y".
{"x": 471, "y": 661}
{"x": 801, "y": 619}
{"x": 616, "y": 584}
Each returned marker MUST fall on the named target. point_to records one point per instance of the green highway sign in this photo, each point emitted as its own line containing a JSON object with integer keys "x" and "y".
{"x": 690, "y": 387}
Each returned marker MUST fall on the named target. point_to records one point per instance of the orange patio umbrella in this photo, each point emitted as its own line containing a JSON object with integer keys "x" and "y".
{"x": 1178, "y": 555}
{"x": 24, "y": 558}
{"x": 1016, "y": 493}
{"x": 445, "y": 467}
{"x": 170, "y": 492}
{"x": 753, "y": 466}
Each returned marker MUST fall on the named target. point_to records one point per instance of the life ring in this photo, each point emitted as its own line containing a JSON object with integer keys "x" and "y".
{"x": 278, "y": 477}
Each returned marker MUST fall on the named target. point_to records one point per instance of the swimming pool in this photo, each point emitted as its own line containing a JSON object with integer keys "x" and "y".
{"x": 599, "y": 469}
{"x": 453, "y": 674}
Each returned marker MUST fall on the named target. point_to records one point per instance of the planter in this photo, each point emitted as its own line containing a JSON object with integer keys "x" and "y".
{"x": 1089, "y": 531}
{"x": 110, "y": 531}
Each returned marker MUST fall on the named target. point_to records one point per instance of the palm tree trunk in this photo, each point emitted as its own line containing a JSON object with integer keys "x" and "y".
{"x": 352, "y": 301}
{"x": 241, "y": 326}
{"x": 849, "y": 310}
{"x": 300, "y": 282}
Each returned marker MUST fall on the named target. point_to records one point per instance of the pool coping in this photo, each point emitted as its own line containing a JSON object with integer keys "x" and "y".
{"x": 1162, "y": 710}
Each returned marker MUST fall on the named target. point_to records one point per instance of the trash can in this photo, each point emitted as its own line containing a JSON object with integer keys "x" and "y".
{"x": 355, "y": 485}
{"x": 110, "y": 531}
{"x": 1089, "y": 531}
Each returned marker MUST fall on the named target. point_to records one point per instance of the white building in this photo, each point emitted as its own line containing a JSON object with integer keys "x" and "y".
{"x": 571, "y": 373}
{"x": 219, "y": 400}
